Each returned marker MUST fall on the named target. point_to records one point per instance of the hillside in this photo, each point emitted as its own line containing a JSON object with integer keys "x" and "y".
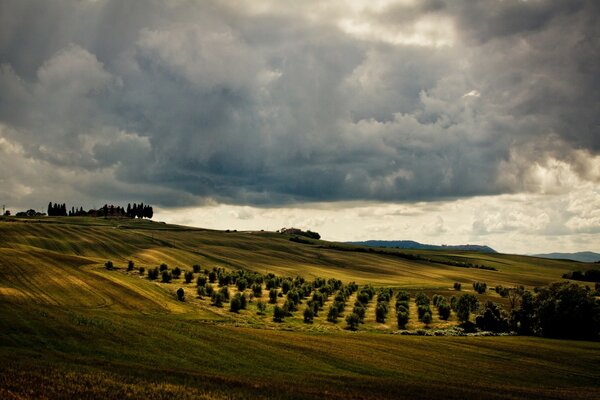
{"x": 70, "y": 328}
{"x": 582, "y": 256}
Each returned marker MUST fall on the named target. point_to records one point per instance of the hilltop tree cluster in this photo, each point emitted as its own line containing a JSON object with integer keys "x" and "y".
{"x": 136, "y": 211}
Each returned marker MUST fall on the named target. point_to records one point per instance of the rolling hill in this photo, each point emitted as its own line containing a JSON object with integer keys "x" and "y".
{"x": 70, "y": 328}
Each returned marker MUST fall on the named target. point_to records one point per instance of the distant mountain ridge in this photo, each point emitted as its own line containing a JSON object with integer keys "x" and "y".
{"x": 582, "y": 256}
{"x": 410, "y": 244}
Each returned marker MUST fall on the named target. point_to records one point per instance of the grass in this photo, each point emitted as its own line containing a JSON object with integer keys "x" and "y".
{"x": 71, "y": 329}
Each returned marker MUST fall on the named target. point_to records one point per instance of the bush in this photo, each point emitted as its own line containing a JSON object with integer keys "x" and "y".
{"x": 480, "y": 287}
{"x": 201, "y": 291}
{"x": 309, "y": 315}
{"x": 212, "y": 276}
{"x": 241, "y": 284}
{"x": 457, "y": 286}
{"x": 278, "y": 314}
{"x": 257, "y": 289}
{"x": 403, "y": 318}
{"x": 176, "y": 273}
{"x": 180, "y": 294}
{"x": 422, "y": 310}
{"x": 332, "y": 314}
{"x": 286, "y": 285}
{"x": 360, "y": 311}
{"x": 381, "y": 311}
{"x": 224, "y": 292}
{"x": 465, "y": 305}
{"x": 188, "y": 276}
{"x": 142, "y": 270}
{"x": 492, "y": 319}
{"x": 426, "y": 319}
{"x": 444, "y": 310}
{"x": 236, "y": 304}
{"x": 196, "y": 268}
{"x": 201, "y": 281}
{"x": 209, "y": 289}
{"x": 352, "y": 321}
{"x": 166, "y": 276}
{"x": 163, "y": 267}
{"x": 153, "y": 274}
{"x": 130, "y": 265}
{"x": 273, "y": 296}
{"x": 421, "y": 299}
{"x": 261, "y": 307}
{"x": 109, "y": 265}
{"x": 217, "y": 299}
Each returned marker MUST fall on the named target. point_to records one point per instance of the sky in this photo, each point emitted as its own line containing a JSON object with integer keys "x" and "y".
{"x": 446, "y": 122}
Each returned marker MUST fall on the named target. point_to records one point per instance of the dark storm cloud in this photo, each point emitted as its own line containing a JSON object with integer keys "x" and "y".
{"x": 184, "y": 102}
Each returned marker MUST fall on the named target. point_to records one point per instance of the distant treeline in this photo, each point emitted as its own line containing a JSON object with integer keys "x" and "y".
{"x": 592, "y": 275}
{"x": 406, "y": 256}
{"x": 136, "y": 211}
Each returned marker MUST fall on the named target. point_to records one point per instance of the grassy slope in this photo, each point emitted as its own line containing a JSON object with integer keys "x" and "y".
{"x": 69, "y": 328}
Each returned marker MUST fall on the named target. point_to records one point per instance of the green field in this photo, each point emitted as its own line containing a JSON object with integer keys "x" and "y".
{"x": 69, "y": 328}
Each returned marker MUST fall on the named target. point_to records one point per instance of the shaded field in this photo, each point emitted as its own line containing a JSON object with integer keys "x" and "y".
{"x": 71, "y": 329}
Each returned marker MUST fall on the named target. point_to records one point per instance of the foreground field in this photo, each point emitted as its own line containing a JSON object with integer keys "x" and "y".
{"x": 71, "y": 329}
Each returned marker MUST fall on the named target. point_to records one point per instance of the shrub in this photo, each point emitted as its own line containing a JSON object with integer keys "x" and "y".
{"x": 201, "y": 291}
{"x": 340, "y": 305}
{"x": 286, "y": 285}
{"x": 422, "y": 310}
{"x": 261, "y": 307}
{"x": 352, "y": 321}
{"x": 492, "y": 319}
{"x": 403, "y": 295}
{"x": 196, "y": 268}
{"x": 465, "y": 305}
{"x": 444, "y": 310}
{"x": 403, "y": 318}
{"x": 257, "y": 289}
{"x": 360, "y": 311}
{"x": 273, "y": 296}
{"x": 166, "y": 276}
{"x": 224, "y": 292}
{"x": 163, "y": 267}
{"x": 201, "y": 281}
{"x": 153, "y": 274}
{"x": 176, "y": 273}
{"x": 217, "y": 299}
{"x": 332, "y": 314}
{"x": 109, "y": 265}
{"x": 309, "y": 315}
{"x": 278, "y": 314}
{"x": 421, "y": 299}
{"x": 188, "y": 276}
{"x": 381, "y": 311}
{"x": 289, "y": 306}
{"x": 209, "y": 289}
{"x": 363, "y": 298}
{"x": 236, "y": 304}
{"x": 241, "y": 284}
{"x": 212, "y": 276}
{"x": 130, "y": 265}
{"x": 480, "y": 287}
{"x": 180, "y": 294}
{"x": 426, "y": 319}
{"x": 457, "y": 286}
{"x": 142, "y": 270}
